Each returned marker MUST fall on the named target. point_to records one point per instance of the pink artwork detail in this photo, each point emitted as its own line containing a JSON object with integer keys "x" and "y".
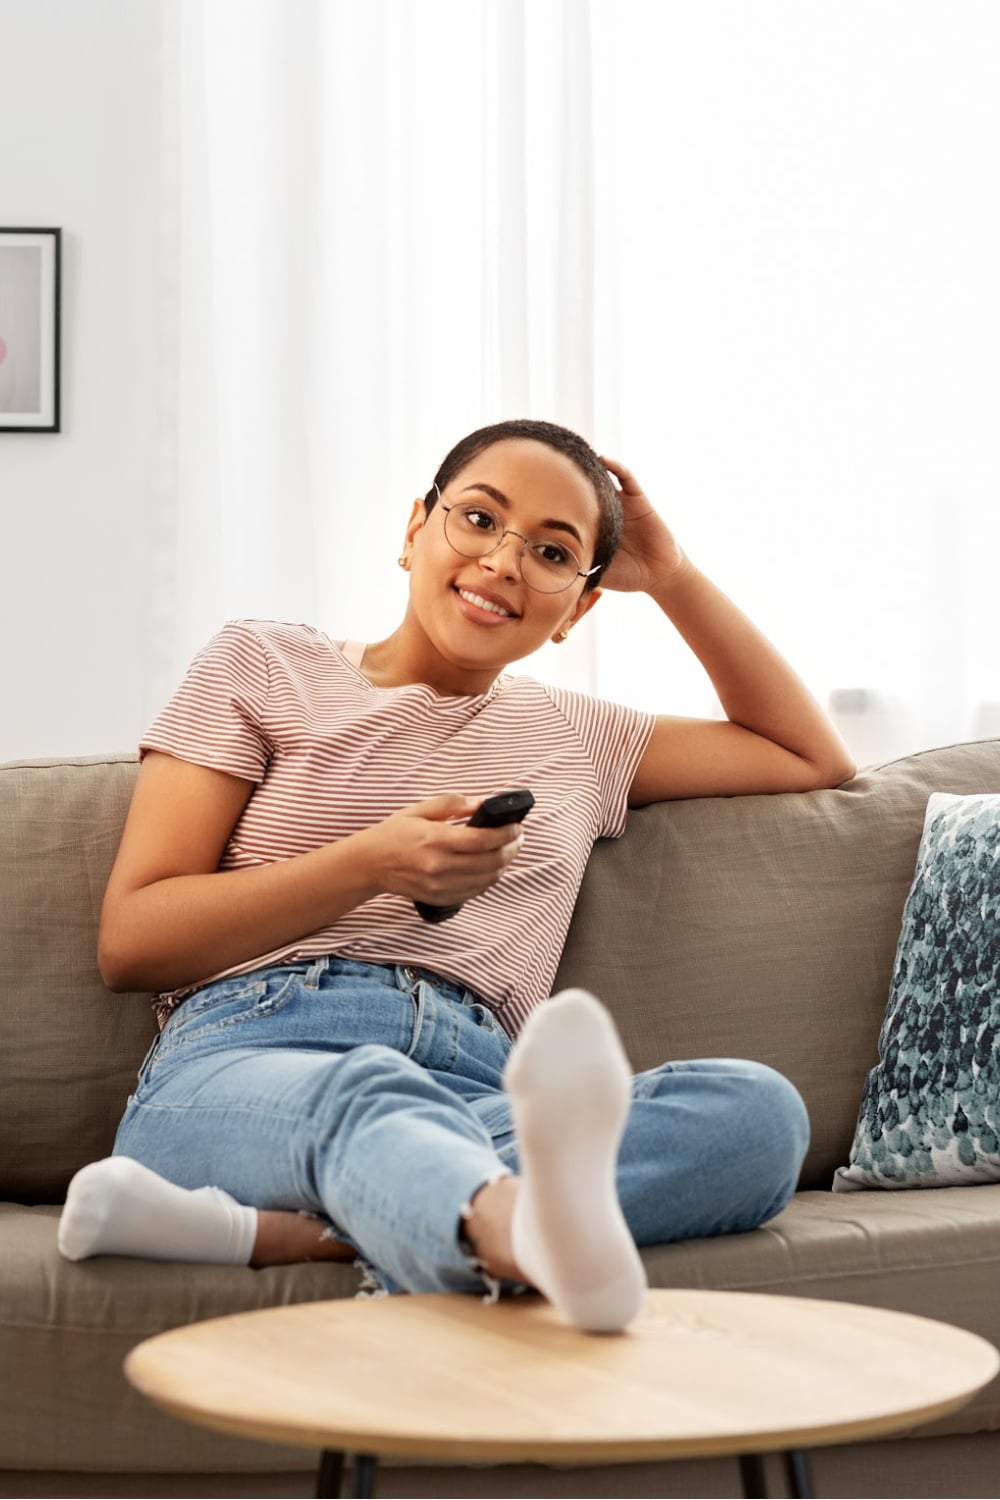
{"x": 3, "y": 351}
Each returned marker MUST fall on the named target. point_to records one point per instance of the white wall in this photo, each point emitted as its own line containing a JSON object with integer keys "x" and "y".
{"x": 80, "y": 122}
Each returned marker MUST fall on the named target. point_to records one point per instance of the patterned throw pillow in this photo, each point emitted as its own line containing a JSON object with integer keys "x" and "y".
{"x": 930, "y": 1113}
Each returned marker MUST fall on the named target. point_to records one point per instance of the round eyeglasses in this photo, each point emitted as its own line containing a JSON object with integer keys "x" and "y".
{"x": 547, "y": 566}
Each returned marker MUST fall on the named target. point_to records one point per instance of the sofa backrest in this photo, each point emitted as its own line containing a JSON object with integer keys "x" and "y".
{"x": 766, "y": 927}
{"x": 760, "y": 927}
{"x": 69, "y": 1049}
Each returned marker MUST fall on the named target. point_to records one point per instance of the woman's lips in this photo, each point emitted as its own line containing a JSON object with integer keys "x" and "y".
{"x": 484, "y": 608}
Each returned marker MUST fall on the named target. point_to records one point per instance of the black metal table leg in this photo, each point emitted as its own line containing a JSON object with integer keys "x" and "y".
{"x": 753, "y": 1476}
{"x": 364, "y": 1474}
{"x": 799, "y": 1478}
{"x": 330, "y": 1476}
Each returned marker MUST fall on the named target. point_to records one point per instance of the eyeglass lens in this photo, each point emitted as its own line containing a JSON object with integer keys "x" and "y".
{"x": 547, "y": 566}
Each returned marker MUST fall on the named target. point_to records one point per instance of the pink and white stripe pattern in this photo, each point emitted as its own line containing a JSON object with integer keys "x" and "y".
{"x": 283, "y": 706}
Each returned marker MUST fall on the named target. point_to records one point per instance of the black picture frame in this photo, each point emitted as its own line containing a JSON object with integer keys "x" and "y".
{"x": 30, "y": 316}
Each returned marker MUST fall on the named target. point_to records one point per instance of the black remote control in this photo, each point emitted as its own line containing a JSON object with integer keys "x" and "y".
{"x": 505, "y": 807}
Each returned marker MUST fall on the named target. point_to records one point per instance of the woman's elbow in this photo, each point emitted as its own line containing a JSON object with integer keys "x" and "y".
{"x": 112, "y": 972}
{"x": 116, "y": 964}
{"x": 833, "y": 773}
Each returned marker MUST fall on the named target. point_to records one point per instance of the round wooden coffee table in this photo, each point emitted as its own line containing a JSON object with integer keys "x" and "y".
{"x": 452, "y": 1378}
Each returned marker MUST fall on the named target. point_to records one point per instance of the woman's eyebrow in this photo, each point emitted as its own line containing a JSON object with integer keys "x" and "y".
{"x": 501, "y": 499}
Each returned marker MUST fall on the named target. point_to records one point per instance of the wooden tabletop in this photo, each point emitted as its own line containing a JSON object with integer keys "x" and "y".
{"x": 454, "y": 1378}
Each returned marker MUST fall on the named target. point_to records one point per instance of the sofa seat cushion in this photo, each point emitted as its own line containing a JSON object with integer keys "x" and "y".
{"x": 933, "y": 1252}
{"x": 66, "y": 1327}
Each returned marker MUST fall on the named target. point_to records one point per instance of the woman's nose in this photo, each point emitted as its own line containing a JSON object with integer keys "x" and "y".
{"x": 505, "y": 558}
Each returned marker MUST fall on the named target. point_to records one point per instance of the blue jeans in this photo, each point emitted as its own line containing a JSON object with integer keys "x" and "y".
{"x": 371, "y": 1095}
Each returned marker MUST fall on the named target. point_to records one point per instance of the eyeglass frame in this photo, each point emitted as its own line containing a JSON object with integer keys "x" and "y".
{"x": 509, "y": 531}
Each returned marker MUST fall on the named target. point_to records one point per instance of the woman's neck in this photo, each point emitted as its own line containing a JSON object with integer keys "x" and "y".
{"x": 399, "y": 662}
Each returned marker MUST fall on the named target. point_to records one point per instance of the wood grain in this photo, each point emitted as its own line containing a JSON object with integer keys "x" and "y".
{"x": 453, "y": 1378}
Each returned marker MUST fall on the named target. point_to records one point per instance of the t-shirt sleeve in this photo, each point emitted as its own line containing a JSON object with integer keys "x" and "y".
{"x": 614, "y": 738}
{"x": 216, "y": 717}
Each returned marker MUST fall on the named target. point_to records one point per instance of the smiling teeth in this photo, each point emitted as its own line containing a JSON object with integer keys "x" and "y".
{"x": 482, "y": 603}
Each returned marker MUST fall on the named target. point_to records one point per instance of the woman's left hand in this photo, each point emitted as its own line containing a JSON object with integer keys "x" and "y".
{"x": 649, "y": 555}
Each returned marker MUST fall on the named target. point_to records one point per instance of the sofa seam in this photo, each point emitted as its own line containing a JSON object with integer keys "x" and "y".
{"x": 138, "y": 1333}
{"x": 864, "y": 1275}
{"x": 82, "y": 763}
{"x": 885, "y": 765}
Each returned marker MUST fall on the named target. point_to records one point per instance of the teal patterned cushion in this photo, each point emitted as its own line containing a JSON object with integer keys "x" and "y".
{"x": 930, "y": 1113}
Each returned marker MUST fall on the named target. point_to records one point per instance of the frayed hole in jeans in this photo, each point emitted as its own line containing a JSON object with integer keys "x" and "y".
{"x": 371, "y": 1282}
{"x": 493, "y": 1286}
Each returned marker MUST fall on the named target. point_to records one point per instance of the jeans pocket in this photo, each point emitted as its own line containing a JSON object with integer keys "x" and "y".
{"x": 226, "y": 1005}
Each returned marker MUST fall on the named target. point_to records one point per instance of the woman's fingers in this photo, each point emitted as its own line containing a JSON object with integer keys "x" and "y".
{"x": 445, "y": 806}
{"x": 427, "y": 856}
{"x": 630, "y": 485}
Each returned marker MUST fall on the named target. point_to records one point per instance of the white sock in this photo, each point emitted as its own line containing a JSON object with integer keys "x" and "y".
{"x": 119, "y": 1207}
{"x": 569, "y": 1084}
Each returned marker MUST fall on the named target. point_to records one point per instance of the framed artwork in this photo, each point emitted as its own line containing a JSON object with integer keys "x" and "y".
{"x": 29, "y": 329}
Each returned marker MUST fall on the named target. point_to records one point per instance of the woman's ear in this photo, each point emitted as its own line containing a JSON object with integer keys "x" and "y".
{"x": 583, "y": 606}
{"x": 418, "y": 518}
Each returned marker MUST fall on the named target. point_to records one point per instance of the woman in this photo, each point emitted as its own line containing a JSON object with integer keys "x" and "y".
{"x": 344, "y": 1069}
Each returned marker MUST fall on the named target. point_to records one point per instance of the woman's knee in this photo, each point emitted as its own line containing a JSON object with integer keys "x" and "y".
{"x": 780, "y": 1109}
{"x": 741, "y": 1100}
{"x": 769, "y": 1135}
{"x": 755, "y": 1120}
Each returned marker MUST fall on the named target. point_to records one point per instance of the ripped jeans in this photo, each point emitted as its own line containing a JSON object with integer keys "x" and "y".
{"x": 371, "y": 1095}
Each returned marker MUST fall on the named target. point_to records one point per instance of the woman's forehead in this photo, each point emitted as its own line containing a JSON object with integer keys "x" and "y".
{"x": 529, "y": 473}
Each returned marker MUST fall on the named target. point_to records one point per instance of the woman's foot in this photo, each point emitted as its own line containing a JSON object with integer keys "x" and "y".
{"x": 570, "y": 1088}
{"x": 119, "y": 1207}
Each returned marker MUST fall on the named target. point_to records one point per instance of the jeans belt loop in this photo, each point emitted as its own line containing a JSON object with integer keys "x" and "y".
{"x": 316, "y": 972}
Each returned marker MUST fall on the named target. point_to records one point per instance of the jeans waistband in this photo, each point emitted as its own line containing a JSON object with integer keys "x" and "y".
{"x": 405, "y": 977}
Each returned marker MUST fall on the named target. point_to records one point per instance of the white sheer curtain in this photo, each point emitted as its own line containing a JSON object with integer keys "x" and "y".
{"x": 380, "y": 235}
{"x": 750, "y": 250}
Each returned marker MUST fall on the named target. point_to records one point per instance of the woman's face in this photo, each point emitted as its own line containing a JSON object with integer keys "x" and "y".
{"x": 477, "y": 614}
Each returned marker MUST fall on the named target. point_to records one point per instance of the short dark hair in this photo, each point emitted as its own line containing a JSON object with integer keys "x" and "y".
{"x": 563, "y": 440}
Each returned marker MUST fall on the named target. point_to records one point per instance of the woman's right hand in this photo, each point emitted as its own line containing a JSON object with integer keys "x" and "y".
{"x": 171, "y": 917}
{"x": 422, "y": 853}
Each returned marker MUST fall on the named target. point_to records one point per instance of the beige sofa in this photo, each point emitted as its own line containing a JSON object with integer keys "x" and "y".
{"x": 762, "y": 927}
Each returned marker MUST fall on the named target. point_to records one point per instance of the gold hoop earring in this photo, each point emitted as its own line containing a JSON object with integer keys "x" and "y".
{"x": 403, "y": 563}
{"x": 563, "y": 635}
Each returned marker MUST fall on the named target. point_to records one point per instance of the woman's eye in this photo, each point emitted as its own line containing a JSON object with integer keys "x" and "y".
{"x": 480, "y": 520}
{"x": 552, "y": 553}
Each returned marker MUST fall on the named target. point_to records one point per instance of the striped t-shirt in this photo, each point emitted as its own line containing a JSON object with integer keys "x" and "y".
{"x": 331, "y": 754}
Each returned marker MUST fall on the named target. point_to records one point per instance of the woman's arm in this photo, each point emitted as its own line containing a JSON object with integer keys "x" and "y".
{"x": 776, "y": 737}
{"x": 170, "y": 917}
